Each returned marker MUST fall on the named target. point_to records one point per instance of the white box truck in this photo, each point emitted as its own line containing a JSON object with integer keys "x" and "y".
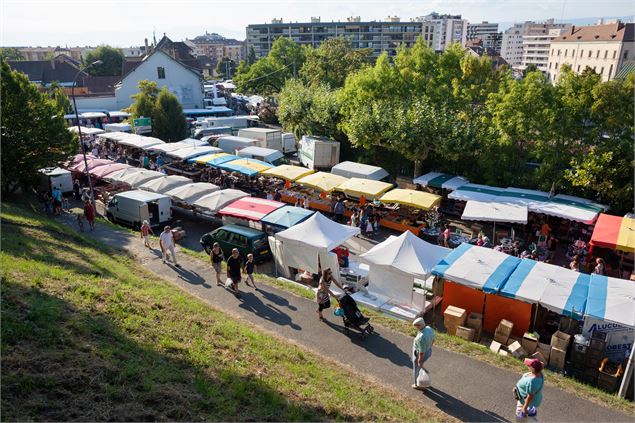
{"x": 133, "y": 207}
{"x": 231, "y": 144}
{"x": 360, "y": 170}
{"x": 235, "y": 122}
{"x": 268, "y": 155}
{"x": 57, "y": 177}
{"x": 268, "y": 138}
{"x": 319, "y": 153}
{"x": 288, "y": 143}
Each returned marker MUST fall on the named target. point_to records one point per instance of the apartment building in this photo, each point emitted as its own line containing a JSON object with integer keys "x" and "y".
{"x": 603, "y": 48}
{"x": 448, "y": 29}
{"x": 379, "y": 36}
{"x": 47, "y": 53}
{"x": 513, "y": 43}
{"x": 536, "y": 47}
{"x": 216, "y": 47}
{"x": 486, "y": 32}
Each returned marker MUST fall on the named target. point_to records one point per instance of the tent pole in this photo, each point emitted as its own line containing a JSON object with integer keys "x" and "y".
{"x": 628, "y": 375}
{"x": 494, "y": 234}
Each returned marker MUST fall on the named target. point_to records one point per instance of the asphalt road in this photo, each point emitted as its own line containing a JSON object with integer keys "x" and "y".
{"x": 467, "y": 389}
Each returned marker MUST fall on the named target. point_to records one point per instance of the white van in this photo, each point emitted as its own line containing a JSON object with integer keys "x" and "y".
{"x": 288, "y": 143}
{"x": 268, "y": 155}
{"x": 319, "y": 153}
{"x": 212, "y": 130}
{"x": 230, "y": 144}
{"x": 57, "y": 177}
{"x": 117, "y": 127}
{"x": 133, "y": 207}
{"x": 269, "y": 138}
{"x": 359, "y": 170}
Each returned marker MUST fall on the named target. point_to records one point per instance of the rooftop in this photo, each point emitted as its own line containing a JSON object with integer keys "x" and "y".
{"x": 619, "y": 31}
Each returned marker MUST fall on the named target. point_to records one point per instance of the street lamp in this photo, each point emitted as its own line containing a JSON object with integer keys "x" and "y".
{"x": 79, "y": 130}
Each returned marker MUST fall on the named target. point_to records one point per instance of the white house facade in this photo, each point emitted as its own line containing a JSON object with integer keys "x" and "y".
{"x": 185, "y": 83}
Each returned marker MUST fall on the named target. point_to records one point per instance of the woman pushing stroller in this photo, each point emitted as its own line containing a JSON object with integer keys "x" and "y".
{"x": 323, "y": 294}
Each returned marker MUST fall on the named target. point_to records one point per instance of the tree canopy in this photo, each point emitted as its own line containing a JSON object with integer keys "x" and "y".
{"x": 10, "y": 53}
{"x": 111, "y": 57}
{"x": 33, "y": 130}
{"x": 168, "y": 120}
{"x": 226, "y": 68}
{"x": 332, "y": 61}
{"x": 56, "y": 93}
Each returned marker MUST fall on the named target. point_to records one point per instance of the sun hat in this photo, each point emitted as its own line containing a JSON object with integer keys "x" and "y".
{"x": 534, "y": 363}
{"x": 419, "y": 322}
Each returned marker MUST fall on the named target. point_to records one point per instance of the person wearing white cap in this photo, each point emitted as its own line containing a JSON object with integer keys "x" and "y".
{"x": 421, "y": 348}
{"x": 146, "y": 230}
{"x": 166, "y": 241}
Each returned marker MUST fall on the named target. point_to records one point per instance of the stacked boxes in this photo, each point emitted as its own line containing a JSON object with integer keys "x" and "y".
{"x": 560, "y": 340}
{"x": 453, "y": 317}
{"x": 516, "y": 350}
{"x": 503, "y": 331}
{"x": 475, "y": 321}
{"x": 529, "y": 342}
{"x": 559, "y": 345}
{"x": 466, "y": 333}
{"x": 544, "y": 350}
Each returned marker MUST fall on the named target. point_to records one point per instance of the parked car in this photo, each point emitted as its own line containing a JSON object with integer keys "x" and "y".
{"x": 247, "y": 240}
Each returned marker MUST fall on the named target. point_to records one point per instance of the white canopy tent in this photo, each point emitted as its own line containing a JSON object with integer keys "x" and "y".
{"x": 116, "y": 136}
{"x": 307, "y": 243}
{"x": 164, "y": 184}
{"x": 191, "y": 192}
{"x": 138, "y": 178}
{"x": 495, "y": 212}
{"x": 475, "y": 192}
{"x": 167, "y": 147}
{"x": 396, "y": 262}
{"x": 139, "y": 141}
{"x": 86, "y": 131}
{"x": 193, "y": 142}
{"x": 441, "y": 180}
{"x": 192, "y": 151}
{"x": 119, "y": 175}
{"x": 217, "y": 200}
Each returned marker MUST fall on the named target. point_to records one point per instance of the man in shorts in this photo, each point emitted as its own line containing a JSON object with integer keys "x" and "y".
{"x": 234, "y": 267}
{"x": 216, "y": 257}
{"x": 250, "y": 266}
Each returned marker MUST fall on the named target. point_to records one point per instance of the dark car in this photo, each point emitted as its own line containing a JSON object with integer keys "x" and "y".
{"x": 247, "y": 241}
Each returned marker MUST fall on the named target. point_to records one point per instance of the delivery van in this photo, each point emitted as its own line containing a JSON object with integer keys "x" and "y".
{"x": 319, "y": 153}
{"x": 131, "y": 208}
{"x": 230, "y": 144}
{"x": 269, "y": 138}
{"x": 288, "y": 143}
{"x": 268, "y": 155}
{"x": 360, "y": 170}
{"x": 57, "y": 177}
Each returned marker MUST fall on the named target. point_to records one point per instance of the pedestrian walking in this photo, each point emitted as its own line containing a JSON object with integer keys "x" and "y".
{"x": 80, "y": 221}
{"x": 56, "y": 193}
{"x": 421, "y": 349}
{"x": 323, "y": 294}
{"x": 216, "y": 257}
{"x": 600, "y": 268}
{"x": 166, "y": 241}
{"x": 234, "y": 267}
{"x": 77, "y": 189}
{"x": 89, "y": 213}
{"x": 338, "y": 210}
{"x": 528, "y": 390}
{"x": 250, "y": 267}
{"x": 446, "y": 236}
{"x": 146, "y": 230}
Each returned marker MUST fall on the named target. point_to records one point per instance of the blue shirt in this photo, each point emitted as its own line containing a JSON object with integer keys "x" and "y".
{"x": 423, "y": 340}
{"x": 528, "y": 384}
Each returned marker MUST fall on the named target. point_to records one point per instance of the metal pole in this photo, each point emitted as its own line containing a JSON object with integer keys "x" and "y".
{"x": 628, "y": 375}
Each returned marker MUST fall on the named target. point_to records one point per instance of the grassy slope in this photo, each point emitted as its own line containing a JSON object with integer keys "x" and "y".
{"x": 87, "y": 334}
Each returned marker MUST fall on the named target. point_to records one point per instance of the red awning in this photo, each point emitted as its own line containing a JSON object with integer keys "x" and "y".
{"x": 251, "y": 208}
{"x": 606, "y": 231}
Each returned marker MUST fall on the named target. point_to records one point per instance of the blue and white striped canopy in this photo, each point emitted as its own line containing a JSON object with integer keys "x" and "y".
{"x": 477, "y": 267}
{"x": 611, "y": 299}
{"x": 556, "y": 288}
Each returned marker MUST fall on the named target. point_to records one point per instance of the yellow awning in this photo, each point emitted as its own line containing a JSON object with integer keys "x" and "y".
{"x": 256, "y": 165}
{"x": 288, "y": 172}
{"x": 626, "y": 236}
{"x": 409, "y": 197}
{"x": 322, "y": 181}
{"x": 207, "y": 157}
{"x": 356, "y": 187}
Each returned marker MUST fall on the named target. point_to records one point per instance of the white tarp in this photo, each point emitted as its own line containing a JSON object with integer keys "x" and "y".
{"x": 190, "y": 151}
{"x": 164, "y": 184}
{"x": 475, "y": 192}
{"x": 448, "y": 182}
{"x": 119, "y": 175}
{"x": 168, "y": 146}
{"x": 611, "y": 300}
{"x": 217, "y": 200}
{"x": 139, "y": 141}
{"x": 191, "y": 192}
{"x": 86, "y": 131}
{"x": 141, "y": 177}
{"x": 494, "y": 212}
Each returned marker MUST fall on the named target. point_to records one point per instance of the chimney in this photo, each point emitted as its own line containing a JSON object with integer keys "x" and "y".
{"x": 53, "y": 63}
{"x": 146, "y": 44}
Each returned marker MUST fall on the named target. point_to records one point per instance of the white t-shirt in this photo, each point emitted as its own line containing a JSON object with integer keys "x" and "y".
{"x": 166, "y": 239}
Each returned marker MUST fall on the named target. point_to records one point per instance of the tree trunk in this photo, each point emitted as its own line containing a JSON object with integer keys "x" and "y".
{"x": 417, "y": 168}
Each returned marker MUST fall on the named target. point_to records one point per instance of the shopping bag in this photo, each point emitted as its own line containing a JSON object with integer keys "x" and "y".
{"x": 229, "y": 283}
{"x": 423, "y": 380}
{"x": 339, "y": 311}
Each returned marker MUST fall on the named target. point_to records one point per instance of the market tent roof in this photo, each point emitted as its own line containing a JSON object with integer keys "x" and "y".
{"x": 477, "y": 267}
{"x": 86, "y": 131}
{"x": 251, "y": 208}
{"x": 611, "y": 299}
{"x": 168, "y": 146}
{"x": 220, "y": 158}
{"x": 191, "y": 192}
{"x": 359, "y": 170}
{"x": 78, "y": 158}
{"x": 288, "y": 172}
{"x": 164, "y": 184}
{"x": 409, "y": 197}
{"x": 556, "y": 288}
{"x": 92, "y": 115}
{"x": 322, "y": 181}
{"x": 118, "y": 175}
{"x": 54, "y": 171}
{"x": 217, "y": 200}
{"x": 138, "y": 178}
{"x": 115, "y": 136}
{"x": 140, "y": 141}
{"x": 249, "y": 167}
{"x": 193, "y": 142}
{"x": 494, "y": 212}
{"x": 192, "y": 151}
{"x": 317, "y": 231}
{"x": 475, "y": 192}
{"x": 101, "y": 171}
{"x": 207, "y": 157}
{"x": 287, "y": 216}
{"x": 92, "y": 164}
{"x": 118, "y": 113}
{"x": 614, "y": 232}
{"x": 440, "y": 180}
{"x": 369, "y": 188}
{"x": 406, "y": 253}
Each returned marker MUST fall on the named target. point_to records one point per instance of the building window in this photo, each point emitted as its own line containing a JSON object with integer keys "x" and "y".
{"x": 558, "y": 53}
{"x": 602, "y": 70}
{"x": 614, "y": 53}
{"x": 625, "y": 54}
{"x": 160, "y": 72}
{"x": 590, "y": 53}
{"x": 597, "y": 55}
{"x": 550, "y": 65}
{"x": 610, "y": 71}
{"x": 565, "y": 52}
{"x": 581, "y": 52}
{"x": 606, "y": 54}
{"x": 578, "y": 69}
{"x": 572, "y": 53}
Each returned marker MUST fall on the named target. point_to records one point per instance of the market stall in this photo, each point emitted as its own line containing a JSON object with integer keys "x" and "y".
{"x": 611, "y": 300}
{"x": 190, "y": 192}
{"x": 316, "y": 188}
{"x": 86, "y": 131}
{"x": 212, "y": 203}
{"x": 286, "y": 217}
{"x": 408, "y": 216}
{"x": 614, "y": 232}
{"x": 288, "y": 172}
{"x": 102, "y": 171}
{"x": 92, "y": 164}
{"x": 119, "y": 175}
{"x": 440, "y": 180}
{"x": 139, "y": 178}
{"x": 496, "y": 212}
{"x": 368, "y": 188}
{"x": 247, "y": 167}
{"x": 139, "y": 141}
{"x": 248, "y": 211}
{"x": 190, "y": 151}
{"x": 164, "y": 184}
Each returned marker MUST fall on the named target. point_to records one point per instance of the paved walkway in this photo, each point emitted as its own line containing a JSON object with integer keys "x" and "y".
{"x": 467, "y": 389}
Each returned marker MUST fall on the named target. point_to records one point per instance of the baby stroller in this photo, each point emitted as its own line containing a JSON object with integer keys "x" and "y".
{"x": 353, "y": 318}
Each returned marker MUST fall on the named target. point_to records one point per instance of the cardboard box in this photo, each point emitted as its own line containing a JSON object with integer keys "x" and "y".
{"x": 477, "y": 334}
{"x": 475, "y": 320}
{"x": 503, "y": 352}
{"x": 454, "y": 315}
{"x": 465, "y": 333}
{"x": 516, "y": 350}
{"x": 505, "y": 327}
{"x": 556, "y": 359}
{"x": 560, "y": 340}
{"x": 540, "y": 357}
{"x": 451, "y": 328}
{"x": 502, "y": 338}
{"x": 529, "y": 342}
{"x": 495, "y": 346}
{"x": 544, "y": 349}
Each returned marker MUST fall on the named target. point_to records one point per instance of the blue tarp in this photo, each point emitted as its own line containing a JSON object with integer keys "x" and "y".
{"x": 287, "y": 216}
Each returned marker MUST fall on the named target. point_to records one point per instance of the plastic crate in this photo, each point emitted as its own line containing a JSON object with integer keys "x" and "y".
{"x": 597, "y": 344}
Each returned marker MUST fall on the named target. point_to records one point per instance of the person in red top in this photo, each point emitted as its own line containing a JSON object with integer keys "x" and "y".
{"x": 146, "y": 230}
{"x": 446, "y": 236}
{"x": 89, "y": 213}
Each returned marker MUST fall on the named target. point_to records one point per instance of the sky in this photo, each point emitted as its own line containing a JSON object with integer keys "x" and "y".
{"x": 127, "y": 23}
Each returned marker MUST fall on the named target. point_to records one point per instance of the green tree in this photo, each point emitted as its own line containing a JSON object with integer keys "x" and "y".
{"x": 145, "y": 100}
{"x": 251, "y": 56}
{"x": 267, "y": 76}
{"x": 10, "y": 53}
{"x": 56, "y": 93}
{"x": 168, "y": 120}
{"x": 332, "y": 61}
{"x": 530, "y": 68}
{"x": 33, "y": 130}
{"x": 111, "y": 57}
{"x": 226, "y": 68}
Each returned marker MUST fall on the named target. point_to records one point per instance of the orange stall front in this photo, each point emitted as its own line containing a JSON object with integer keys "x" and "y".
{"x": 498, "y": 307}
{"x": 463, "y": 297}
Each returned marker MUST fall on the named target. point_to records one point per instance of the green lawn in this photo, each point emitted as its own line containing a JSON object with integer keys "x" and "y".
{"x": 88, "y": 334}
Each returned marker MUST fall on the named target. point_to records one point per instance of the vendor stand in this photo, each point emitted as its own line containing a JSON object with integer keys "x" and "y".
{"x": 407, "y": 216}
{"x": 617, "y": 234}
{"x": 248, "y": 211}
{"x": 316, "y": 187}
{"x": 284, "y": 218}
{"x": 138, "y": 178}
{"x": 496, "y": 212}
{"x": 210, "y": 204}
{"x": 188, "y": 194}
{"x": 164, "y": 184}
{"x": 440, "y": 181}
